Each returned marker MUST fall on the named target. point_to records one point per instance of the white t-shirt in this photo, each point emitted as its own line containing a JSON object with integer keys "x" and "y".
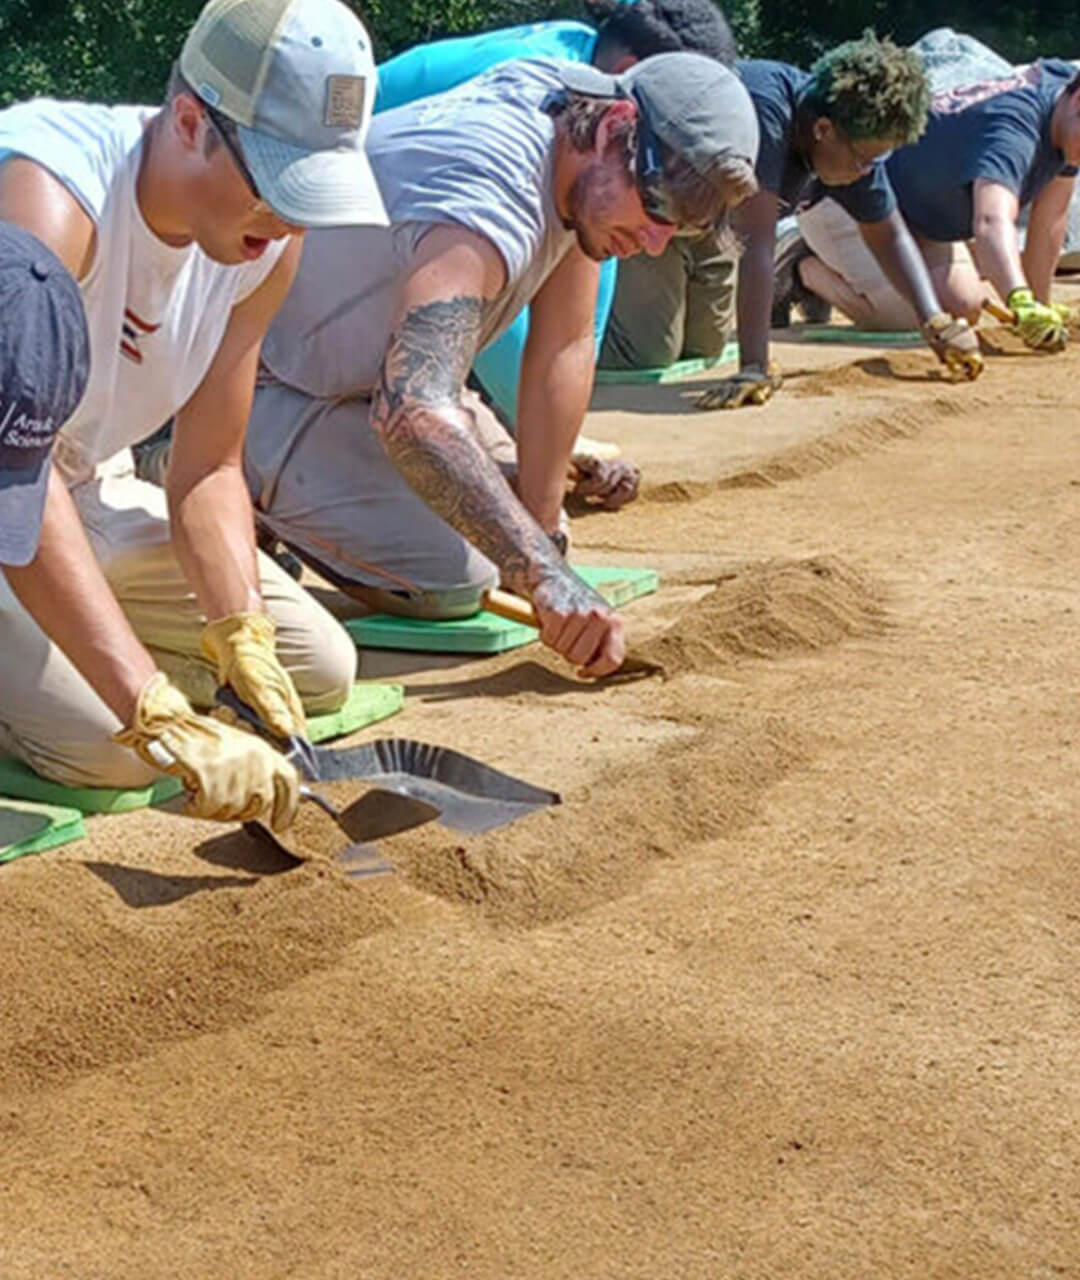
{"x": 156, "y": 314}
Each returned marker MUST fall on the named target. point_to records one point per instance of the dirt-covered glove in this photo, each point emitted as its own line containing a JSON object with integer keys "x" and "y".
{"x": 954, "y": 343}
{"x": 242, "y": 647}
{"x": 751, "y": 385}
{"x": 229, "y": 775}
{"x": 608, "y": 482}
{"x": 1041, "y": 325}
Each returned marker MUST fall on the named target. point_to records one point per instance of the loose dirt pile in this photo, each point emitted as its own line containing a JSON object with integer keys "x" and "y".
{"x": 600, "y": 843}
{"x": 95, "y": 970}
{"x": 766, "y": 610}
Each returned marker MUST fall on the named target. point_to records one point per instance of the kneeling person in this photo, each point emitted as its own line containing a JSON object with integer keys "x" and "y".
{"x": 178, "y": 225}
{"x": 825, "y": 134}
{"x": 990, "y": 151}
{"x": 365, "y": 454}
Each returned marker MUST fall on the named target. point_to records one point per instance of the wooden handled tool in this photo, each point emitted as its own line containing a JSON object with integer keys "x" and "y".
{"x": 517, "y": 609}
{"x": 998, "y": 311}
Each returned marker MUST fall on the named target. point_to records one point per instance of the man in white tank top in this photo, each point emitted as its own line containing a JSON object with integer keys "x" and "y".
{"x": 178, "y": 225}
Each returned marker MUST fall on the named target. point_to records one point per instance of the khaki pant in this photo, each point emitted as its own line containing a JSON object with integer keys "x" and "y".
{"x": 323, "y": 483}
{"x": 54, "y": 721}
{"x": 833, "y": 236}
{"x": 676, "y": 306}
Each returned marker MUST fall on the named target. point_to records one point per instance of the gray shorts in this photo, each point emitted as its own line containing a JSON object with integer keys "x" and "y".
{"x": 323, "y": 483}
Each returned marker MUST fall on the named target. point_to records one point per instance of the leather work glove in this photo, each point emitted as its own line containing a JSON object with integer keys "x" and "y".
{"x": 608, "y": 482}
{"x": 1041, "y": 325}
{"x": 954, "y": 343}
{"x": 230, "y": 775}
{"x": 751, "y": 385}
{"x": 242, "y": 646}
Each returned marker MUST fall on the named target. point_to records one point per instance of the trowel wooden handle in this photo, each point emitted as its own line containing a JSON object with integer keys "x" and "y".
{"x": 511, "y": 607}
{"x": 999, "y": 312}
{"x": 517, "y": 609}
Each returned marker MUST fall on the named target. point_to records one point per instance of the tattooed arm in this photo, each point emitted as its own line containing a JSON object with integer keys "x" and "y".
{"x": 424, "y": 427}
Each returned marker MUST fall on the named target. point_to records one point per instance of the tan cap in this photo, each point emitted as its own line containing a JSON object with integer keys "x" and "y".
{"x": 298, "y": 78}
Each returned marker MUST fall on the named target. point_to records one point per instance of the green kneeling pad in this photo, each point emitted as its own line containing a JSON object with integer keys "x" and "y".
{"x": 367, "y": 704}
{"x": 485, "y": 632}
{"x": 31, "y": 828}
{"x": 669, "y": 372}
{"x": 862, "y": 337}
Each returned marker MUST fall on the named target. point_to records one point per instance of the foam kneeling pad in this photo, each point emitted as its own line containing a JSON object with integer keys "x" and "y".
{"x": 485, "y": 632}
{"x": 32, "y": 828}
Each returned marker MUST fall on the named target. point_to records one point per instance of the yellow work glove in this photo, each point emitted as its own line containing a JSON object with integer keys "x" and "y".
{"x": 230, "y": 775}
{"x": 242, "y": 646}
{"x": 751, "y": 385}
{"x": 955, "y": 345}
{"x": 1041, "y": 325}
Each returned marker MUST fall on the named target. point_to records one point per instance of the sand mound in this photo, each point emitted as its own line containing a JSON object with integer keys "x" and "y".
{"x": 874, "y": 373}
{"x": 851, "y": 440}
{"x": 600, "y": 843}
{"x": 102, "y": 961}
{"x": 767, "y": 610}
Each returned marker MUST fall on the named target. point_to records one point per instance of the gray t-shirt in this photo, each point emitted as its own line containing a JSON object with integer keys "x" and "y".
{"x": 480, "y": 156}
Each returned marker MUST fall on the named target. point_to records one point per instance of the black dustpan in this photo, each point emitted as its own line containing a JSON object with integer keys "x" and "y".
{"x": 470, "y": 796}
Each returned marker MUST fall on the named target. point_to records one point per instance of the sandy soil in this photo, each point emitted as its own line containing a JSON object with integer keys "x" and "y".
{"x": 786, "y": 987}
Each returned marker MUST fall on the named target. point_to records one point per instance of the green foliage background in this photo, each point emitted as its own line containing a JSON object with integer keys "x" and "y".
{"x": 121, "y": 50}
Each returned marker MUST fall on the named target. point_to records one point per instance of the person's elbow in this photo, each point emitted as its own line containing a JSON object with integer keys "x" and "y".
{"x": 990, "y": 225}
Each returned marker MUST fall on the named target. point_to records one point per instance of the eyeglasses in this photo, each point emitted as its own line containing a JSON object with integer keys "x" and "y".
{"x": 863, "y": 163}
{"x": 224, "y": 128}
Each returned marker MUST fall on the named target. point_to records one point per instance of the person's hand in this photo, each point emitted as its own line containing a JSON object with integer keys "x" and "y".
{"x": 608, "y": 482}
{"x": 242, "y": 647}
{"x": 954, "y": 343}
{"x": 1041, "y": 325}
{"x": 751, "y": 385}
{"x": 229, "y": 775}
{"x": 579, "y": 624}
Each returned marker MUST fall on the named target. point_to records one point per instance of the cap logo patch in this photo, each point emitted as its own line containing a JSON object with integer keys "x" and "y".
{"x": 344, "y": 102}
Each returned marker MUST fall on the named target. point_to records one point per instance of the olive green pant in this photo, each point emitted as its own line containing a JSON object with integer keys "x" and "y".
{"x": 676, "y": 306}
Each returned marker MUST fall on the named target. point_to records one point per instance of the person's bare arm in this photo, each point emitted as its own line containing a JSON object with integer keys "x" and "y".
{"x": 755, "y": 223}
{"x": 893, "y": 245}
{"x": 213, "y": 525}
{"x": 1047, "y": 225}
{"x": 418, "y": 414}
{"x": 65, "y": 592}
{"x": 63, "y": 588}
{"x": 556, "y": 382}
{"x": 997, "y": 246}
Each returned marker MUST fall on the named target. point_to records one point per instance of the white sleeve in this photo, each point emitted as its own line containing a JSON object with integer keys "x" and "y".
{"x": 80, "y": 144}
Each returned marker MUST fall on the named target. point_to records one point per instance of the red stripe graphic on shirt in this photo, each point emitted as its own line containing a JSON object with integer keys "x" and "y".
{"x": 948, "y": 101}
{"x": 134, "y": 328}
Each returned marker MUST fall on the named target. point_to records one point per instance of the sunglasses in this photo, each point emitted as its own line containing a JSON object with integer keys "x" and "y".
{"x": 656, "y": 199}
{"x": 225, "y": 130}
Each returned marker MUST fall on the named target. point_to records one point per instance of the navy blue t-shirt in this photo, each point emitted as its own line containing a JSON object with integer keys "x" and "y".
{"x": 998, "y": 130}
{"x": 774, "y": 88}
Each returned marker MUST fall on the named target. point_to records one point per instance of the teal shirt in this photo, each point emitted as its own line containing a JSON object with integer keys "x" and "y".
{"x": 443, "y": 64}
